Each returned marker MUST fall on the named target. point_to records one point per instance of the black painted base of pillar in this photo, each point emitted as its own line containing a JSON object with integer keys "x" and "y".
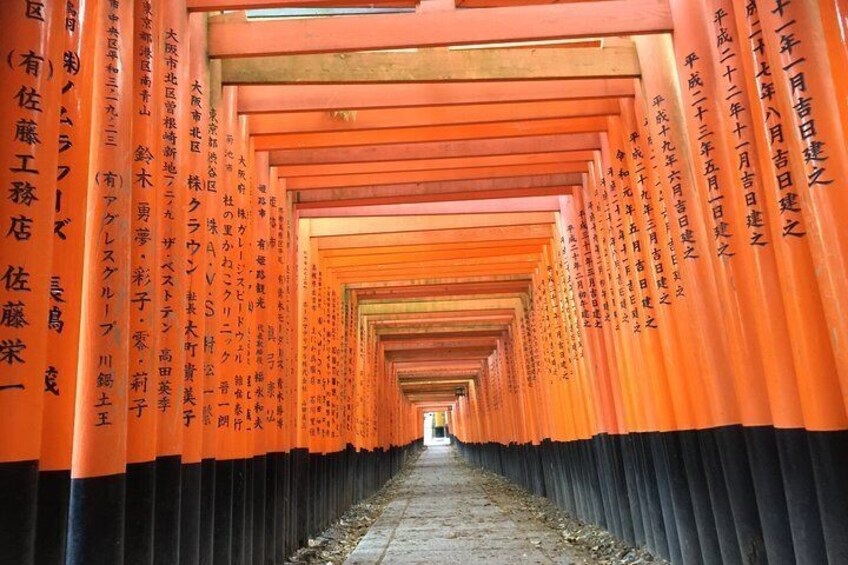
{"x": 255, "y": 511}
{"x": 724, "y": 495}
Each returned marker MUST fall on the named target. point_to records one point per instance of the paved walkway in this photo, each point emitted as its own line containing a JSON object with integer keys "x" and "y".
{"x": 442, "y": 515}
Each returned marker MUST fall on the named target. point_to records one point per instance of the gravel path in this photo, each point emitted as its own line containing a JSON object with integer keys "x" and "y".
{"x": 442, "y": 510}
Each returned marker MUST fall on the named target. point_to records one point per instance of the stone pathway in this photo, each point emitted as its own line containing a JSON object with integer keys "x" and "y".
{"x": 442, "y": 514}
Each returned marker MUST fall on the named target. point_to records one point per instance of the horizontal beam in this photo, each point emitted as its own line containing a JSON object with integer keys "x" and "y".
{"x": 400, "y": 266}
{"x": 351, "y": 226}
{"x": 433, "y": 164}
{"x": 402, "y": 366}
{"x": 524, "y": 201}
{"x": 436, "y": 291}
{"x": 455, "y": 300}
{"x": 521, "y": 293}
{"x": 221, "y": 5}
{"x": 438, "y": 282}
{"x": 422, "y": 370}
{"x": 391, "y": 322}
{"x": 449, "y": 329}
{"x": 424, "y": 273}
{"x": 435, "y": 65}
{"x": 426, "y": 382}
{"x": 424, "y": 388}
{"x": 503, "y": 233}
{"x": 232, "y": 38}
{"x": 299, "y": 122}
{"x": 438, "y": 307}
{"x": 440, "y": 335}
{"x": 453, "y": 246}
{"x": 422, "y": 256}
{"x": 307, "y": 97}
{"x": 417, "y": 326}
{"x": 440, "y": 375}
{"x": 499, "y": 3}
{"x": 424, "y": 397}
{"x": 533, "y": 128}
{"x": 386, "y": 319}
{"x": 452, "y": 354}
{"x": 388, "y": 194}
{"x": 435, "y": 392}
{"x": 431, "y": 296}
{"x": 431, "y": 394}
{"x": 410, "y": 294}
{"x": 359, "y": 207}
{"x": 426, "y": 342}
{"x": 439, "y": 149}
{"x": 457, "y": 297}
{"x": 392, "y": 178}
{"x": 419, "y": 383}
{"x": 421, "y": 327}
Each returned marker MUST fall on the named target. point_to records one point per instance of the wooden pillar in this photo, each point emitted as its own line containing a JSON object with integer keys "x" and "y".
{"x": 173, "y": 82}
{"x": 805, "y": 88}
{"x": 96, "y": 520}
{"x": 32, "y": 46}
{"x": 225, "y": 450}
{"x": 66, "y": 281}
{"x": 212, "y": 310}
{"x": 142, "y": 384}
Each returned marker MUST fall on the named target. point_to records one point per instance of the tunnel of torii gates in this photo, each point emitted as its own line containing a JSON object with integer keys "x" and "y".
{"x": 241, "y": 256}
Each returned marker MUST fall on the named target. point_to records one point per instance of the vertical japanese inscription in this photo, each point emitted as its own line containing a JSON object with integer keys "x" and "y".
{"x": 99, "y": 438}
{"x": 65, "y": 292}
{"x": 212, "y": 301}
{"x": 146, "y": 181}
{"x": 196, "y": 198}
{"x": 789, "y": 201}
{"x": 173, "y": 200}
{"x": 32, "y": 71}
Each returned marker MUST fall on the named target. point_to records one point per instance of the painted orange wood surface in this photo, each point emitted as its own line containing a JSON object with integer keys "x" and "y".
{"x": 433, "y": 133}
{"x": 296, "y": 122}
{"x": 302, "y": 98}
{"x": 221, "y": 274}
{"x": 437, "y": 28}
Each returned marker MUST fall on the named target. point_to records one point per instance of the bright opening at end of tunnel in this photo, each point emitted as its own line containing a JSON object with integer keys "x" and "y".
{"x": 267, "y": 262}
{"x": 436, "y": 429}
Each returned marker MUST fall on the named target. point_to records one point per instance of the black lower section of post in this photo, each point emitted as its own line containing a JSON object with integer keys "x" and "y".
{"x": 259, "y": 467}
{"x": 190, "y": 514}
{"x": 238, "y": 510}
{"x": 140, "y": 513}
{"x": 223, "y": 542}
{"x": 255, "y": 511}
{"x": 167, "y": 520}
{"x": 18, "y": 504}
{"x": 723, "y": 495}
{"x": 206, "y": 552}
{"x": 96, "y": 521}
{"x": 54, "y": 490}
